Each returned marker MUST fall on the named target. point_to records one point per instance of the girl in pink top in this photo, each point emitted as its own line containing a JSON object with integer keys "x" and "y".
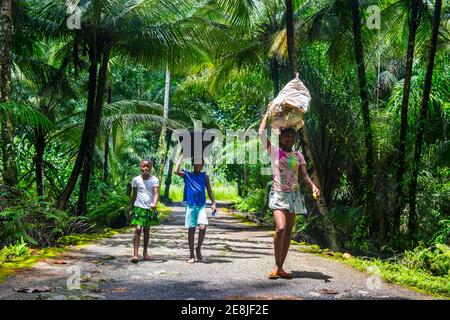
{"x": 285, "y": 199}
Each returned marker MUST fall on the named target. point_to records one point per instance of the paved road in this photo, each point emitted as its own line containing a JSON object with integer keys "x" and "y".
{"x": 237, "y": 261}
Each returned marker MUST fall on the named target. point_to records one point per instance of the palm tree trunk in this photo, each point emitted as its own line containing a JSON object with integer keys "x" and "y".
{"x": 329, "y": 230}
{"x": 412, "y": 221}
{"x": 404, "y": 116}
{"x": 275, "y": 77}
{"x": 105, "y": 172}
{"x": 168, "y": 181}
{"x": 368, "y": 135}
{"x": 39, "y": 145}
{"x": 93, "y": 134}
{"x": 245, "y": 180}
{"x": 239, "y": 183}
{"x": 163, "y": 144}
{"x": 106, "y": 146}
{"x": 9, "y": 167}
{"x": 89, "y": 117}
{"x": 290, "y": 39}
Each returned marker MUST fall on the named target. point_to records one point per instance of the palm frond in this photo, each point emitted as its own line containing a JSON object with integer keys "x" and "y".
{"x": 25, "y": 115}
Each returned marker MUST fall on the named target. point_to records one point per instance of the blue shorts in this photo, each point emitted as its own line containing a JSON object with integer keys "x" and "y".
{"x": 195, "y": 215}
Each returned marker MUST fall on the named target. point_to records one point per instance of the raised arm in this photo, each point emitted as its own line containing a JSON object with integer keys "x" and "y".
{"x": 210, "y": 193}
{"x": 177, "y": 167}
{"x": 262, "y": 132}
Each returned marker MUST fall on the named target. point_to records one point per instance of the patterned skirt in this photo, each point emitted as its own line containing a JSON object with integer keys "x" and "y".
{"x": 144, "y": 217}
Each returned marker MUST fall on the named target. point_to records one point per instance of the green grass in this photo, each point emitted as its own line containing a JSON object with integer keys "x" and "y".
{"x": 163, "y": 211}
{"x": 418, "y": 280}
{"x": 221, "y": 193}
{"x": 391, "y": 271}
{"x": 245, "y": 220}
{"x": 9, "y": 267}
{"x": 87, "y": 238}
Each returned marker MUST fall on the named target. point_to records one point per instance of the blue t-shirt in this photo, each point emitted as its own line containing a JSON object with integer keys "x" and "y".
{"x": 194, "y": 188}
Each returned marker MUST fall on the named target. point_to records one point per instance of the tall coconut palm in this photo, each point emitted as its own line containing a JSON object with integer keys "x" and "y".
{"x": 141, "y": 31}
{"x": 338, "y": 24}
{"x": 368, "y": 134}
{"x": 330, "y": 232}
{"x": 164, "y": 141}
{"x": 413, "y": 23}
{"x": 251, "y": 46}
{"x": 412, "y": 222}
{"x": 290, "y": 39}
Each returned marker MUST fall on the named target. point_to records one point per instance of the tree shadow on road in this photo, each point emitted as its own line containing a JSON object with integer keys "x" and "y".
{"x": 311, "y": 275}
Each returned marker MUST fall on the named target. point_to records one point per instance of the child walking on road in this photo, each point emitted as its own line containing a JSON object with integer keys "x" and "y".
{"x": 195, "y": 184}
{"x": 285, "y": 199}
{"x": 144, "y": 198}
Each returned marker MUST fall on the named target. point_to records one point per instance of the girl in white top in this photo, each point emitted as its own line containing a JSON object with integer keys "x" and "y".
{"x": 144, "y": 198}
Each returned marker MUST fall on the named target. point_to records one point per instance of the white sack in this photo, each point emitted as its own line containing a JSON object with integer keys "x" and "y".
{"x": 288, "y": 108}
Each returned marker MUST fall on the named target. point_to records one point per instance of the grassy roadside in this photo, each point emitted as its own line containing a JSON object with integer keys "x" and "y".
{"x": 391, "y": 271}
{"x": 12, "y": 265}
{"x": 8, "y": 266}
{"x": 245, "y": 219}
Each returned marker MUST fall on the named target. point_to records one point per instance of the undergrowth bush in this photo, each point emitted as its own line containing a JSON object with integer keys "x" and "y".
{"x": 252, "y": 203}
{"x": 434, "y": 260}
{"x": 108, "y": 213}
{"x": 18, "y": 250}
{"x": 38, "y": 224}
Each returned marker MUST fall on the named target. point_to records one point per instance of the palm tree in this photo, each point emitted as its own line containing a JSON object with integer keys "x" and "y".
{"x": 140, "y": 31}
{"x": 368, "y": 135}
{"x": 412, "y": 222}
{"x": 44, "y": 84}
{"x": 252, "y": 44}
{"x": 34, "y": 121}
{"x": 165, "y": 141}
{"x": 6, "y": 23}
{"x": 126, "y": 114}
{"x": 330, "y": 232}
{"x": 290, "y": 39}
{"x": 413, "y": 23}
{"x": 106, "y": 147}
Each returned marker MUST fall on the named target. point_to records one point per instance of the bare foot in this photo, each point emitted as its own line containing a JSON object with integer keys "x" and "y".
{"x": 191, "y": 260}
{"x": 134, "y": 259}
{"x": 199, "y": 255}
{"x": 146, "y": 256}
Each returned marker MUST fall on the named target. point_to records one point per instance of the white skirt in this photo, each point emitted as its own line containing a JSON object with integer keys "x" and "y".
{"x": 293, "y": 201}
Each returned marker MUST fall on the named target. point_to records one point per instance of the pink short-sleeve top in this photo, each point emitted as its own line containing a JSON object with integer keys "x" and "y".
{"x": 285, "y": 166}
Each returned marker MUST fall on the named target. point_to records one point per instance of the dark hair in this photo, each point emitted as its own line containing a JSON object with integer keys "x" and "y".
{"x": 147, "y": 160}
{"x": 288, "y": 130}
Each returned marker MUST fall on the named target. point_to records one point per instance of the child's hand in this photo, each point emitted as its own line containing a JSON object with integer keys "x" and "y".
{"x": 316, "y": 192}
{"x": 213, "y": 206}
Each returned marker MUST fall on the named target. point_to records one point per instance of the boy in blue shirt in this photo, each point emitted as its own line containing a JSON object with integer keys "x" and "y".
{"x": 195, "y": 184}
